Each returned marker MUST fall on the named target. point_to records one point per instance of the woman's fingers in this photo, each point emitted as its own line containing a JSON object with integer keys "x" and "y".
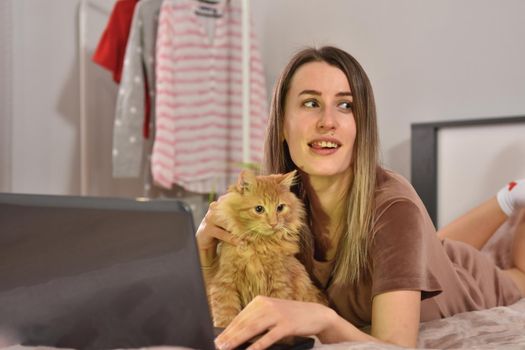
{"x": 260, "y": 315}
{"x": 211, "y": 230}
{"x": 271, "y": 337}
{"x": 224, "y": 235}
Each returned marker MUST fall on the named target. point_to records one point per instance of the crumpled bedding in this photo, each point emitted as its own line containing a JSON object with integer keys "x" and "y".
{"x": 496, "y": 328}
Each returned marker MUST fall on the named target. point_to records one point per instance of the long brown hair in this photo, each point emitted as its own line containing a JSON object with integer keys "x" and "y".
{"x": 352, "y": 252}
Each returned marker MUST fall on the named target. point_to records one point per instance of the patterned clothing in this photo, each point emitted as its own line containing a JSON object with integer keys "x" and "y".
{"x": 198, "y": 141}
{"x": 135, "y": 103}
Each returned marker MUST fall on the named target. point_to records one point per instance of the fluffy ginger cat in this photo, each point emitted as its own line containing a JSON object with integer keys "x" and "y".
{"x": 268, "y": 217}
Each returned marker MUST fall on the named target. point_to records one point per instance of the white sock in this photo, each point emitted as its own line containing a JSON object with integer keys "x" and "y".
{"x": 512, "y": 196}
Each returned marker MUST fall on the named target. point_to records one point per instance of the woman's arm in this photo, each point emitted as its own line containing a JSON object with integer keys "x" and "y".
{"x": 395, "y": 319}
{"x": 282, "y": 318}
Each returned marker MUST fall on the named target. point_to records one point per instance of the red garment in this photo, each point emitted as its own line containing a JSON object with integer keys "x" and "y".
{"x": 112, "y": 45}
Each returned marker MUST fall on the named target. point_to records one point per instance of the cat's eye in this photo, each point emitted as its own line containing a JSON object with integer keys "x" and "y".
{"x": 280, "y": 207}
{"x": 259, "y": 209}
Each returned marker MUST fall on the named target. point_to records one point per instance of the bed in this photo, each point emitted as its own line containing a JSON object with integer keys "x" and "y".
{"x": 496, "y": 328}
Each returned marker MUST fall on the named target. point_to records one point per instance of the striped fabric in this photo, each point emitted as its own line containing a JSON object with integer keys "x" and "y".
{"x": 198, "y": 141}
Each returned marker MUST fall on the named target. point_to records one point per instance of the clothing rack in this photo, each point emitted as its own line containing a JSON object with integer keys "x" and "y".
{"x": 246, "y": 42}
{"x": 246, "y": 81}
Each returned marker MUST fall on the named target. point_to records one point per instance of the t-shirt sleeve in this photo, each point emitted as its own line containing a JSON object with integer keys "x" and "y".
{"x": 400, "y": 251}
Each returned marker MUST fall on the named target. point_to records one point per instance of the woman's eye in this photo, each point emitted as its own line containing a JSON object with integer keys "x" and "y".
{"x": 280, "y": 208}
{"x": 311, "y": 104}
{"x": 259, "y": 209}
{"x": 345, "y": 105}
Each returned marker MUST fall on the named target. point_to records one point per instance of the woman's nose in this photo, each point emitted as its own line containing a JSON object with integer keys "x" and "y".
{"x": 327, "y": 120}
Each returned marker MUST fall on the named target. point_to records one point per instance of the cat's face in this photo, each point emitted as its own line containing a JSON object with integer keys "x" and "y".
{"x": 269, "y": 213}
{"x": 264, "y": 205}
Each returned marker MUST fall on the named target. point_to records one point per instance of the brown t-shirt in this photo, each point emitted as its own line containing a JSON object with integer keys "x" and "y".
{"x": 406, "y": 254}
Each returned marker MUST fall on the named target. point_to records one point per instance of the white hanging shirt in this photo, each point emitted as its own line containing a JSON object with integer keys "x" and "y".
{"x": 198, "y": 140}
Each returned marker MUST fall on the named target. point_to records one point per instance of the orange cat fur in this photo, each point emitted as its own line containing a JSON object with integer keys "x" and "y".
{"x": 263, "y": 212}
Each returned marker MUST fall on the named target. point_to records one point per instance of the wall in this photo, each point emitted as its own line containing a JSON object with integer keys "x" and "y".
{"x": 432, "y": 60}
{"x": 427, "y": 60}
{"x": 43, "y": 113}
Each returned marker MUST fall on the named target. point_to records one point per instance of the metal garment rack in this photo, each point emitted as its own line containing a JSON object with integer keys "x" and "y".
{"x": 246, "y": 44}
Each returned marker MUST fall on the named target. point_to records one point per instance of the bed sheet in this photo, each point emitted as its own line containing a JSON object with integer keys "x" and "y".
{"x": 496, "y": 328}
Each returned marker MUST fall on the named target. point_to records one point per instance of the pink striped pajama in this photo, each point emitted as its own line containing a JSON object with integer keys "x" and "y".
{"x": 198, "y": 140}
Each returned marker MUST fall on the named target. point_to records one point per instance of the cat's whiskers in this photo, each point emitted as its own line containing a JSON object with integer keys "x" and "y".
{"x": 249, "y": 235}
{"x": 290, "y": 233}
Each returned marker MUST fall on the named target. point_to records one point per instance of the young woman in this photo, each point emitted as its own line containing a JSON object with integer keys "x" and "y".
{"x": 374, "y": 249}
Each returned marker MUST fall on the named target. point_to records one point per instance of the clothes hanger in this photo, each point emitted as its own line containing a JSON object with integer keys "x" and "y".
{"x": 211, "y": 2}
{"x": 208, "y": 11}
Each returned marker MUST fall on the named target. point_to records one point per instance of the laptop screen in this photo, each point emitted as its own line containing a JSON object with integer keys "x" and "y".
{"x": 100, "y": 273}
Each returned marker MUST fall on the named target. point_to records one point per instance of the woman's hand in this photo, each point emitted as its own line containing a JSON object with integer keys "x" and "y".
{"x": 280, "y": 317}
{"x": 210, "y": 232}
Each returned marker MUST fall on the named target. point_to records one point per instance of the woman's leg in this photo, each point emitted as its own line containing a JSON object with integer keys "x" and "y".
{"x": 479, "y": 224}
{"x": 476, "y": 226}
{"x": 517, "y": 273}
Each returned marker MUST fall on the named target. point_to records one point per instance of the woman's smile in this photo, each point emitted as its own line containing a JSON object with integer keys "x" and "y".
{"x": 324, "y": 146}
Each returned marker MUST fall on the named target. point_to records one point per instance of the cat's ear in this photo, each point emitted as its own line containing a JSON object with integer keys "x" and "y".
{"x": 288, "y": 179}
{"x": 245, "y": 181}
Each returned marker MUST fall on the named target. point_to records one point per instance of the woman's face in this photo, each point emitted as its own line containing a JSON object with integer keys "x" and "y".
{"x": 319, "y": 124}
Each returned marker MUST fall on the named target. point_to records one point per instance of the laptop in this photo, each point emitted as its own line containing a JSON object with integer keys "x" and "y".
{"x": 102, "y": 273}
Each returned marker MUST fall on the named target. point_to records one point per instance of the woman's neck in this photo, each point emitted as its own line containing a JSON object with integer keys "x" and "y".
{"x": 327, "y": 201}
{"x": 331, "y": 193}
